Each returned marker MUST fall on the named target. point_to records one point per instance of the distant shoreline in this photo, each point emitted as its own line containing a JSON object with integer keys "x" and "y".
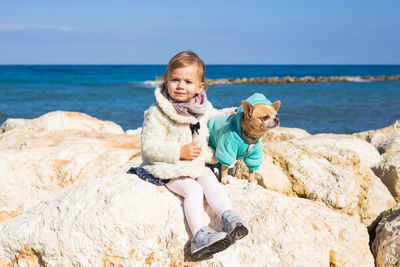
{"x": 292, "y": 79}
{"x": 307, "y": 79}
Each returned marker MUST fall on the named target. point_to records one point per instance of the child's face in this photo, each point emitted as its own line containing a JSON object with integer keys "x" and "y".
{"x": 183, "y": 83}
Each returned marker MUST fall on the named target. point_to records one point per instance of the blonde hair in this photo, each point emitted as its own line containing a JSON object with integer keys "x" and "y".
{"x": 184, "y": 59}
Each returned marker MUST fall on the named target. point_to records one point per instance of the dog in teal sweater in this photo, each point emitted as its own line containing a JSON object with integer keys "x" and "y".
{"x": 239, "y": 136}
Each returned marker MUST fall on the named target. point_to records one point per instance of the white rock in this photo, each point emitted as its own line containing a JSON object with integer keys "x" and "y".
{"x": 269, "y": 175}
{"x": 365, "y": 151}
{"x": 325, "y": 172}
{"x": 284, "y": 133}
{"x": 41, "y": 157}
{"x": 63, "y": 120}
{"x": 135, "y": 132}
{"x": 386, "y": 245}
{"x": 122, "y": 220}
{"x": 385, "y": 140}
{"x": 389, "y": 172}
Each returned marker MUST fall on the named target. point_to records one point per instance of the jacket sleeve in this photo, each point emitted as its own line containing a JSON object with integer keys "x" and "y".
{"x": 154, "y": 146}
{"x": 224, "y": 111}
{"x": 254, "y": 159}
{"x": 210, "y": 156}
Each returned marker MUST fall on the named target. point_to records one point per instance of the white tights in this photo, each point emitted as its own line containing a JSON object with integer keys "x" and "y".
{"x": 192, "y": 191}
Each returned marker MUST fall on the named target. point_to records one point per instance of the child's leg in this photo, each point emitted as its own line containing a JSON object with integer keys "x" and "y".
{"x": 192, "y": 193}
{"x": 214, "y": 192}
{"x": 220, "y": 203}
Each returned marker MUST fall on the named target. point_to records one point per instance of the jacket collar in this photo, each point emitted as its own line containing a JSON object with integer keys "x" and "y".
{"x": 169, "y": 109}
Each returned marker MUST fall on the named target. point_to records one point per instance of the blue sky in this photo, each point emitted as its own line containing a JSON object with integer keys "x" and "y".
{"x": 221, "y": 32}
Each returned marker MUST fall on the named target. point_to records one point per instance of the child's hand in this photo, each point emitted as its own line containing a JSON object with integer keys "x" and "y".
{"x": 190, "y": 151}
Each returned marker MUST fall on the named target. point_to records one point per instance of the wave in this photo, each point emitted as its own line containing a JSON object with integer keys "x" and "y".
{"x": 358, "y": 80}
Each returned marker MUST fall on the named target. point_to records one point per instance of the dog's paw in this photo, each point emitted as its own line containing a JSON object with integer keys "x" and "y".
{"x": 252, "y": 177}
{"x": 253, "y": 181}
{"x": 224, "y": 180}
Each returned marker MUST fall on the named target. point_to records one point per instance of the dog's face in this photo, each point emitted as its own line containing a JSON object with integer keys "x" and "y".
{"x": 260, "y": 117}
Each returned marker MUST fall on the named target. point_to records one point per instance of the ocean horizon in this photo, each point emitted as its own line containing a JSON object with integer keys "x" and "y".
{"x": 121, "y": 93}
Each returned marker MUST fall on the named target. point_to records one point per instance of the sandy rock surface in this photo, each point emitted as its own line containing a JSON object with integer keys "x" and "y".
{"x": 386, "y": 245}
{"x": 66, "y": 200}
{"x": 389, "y": 172}
{"x": 122, "y": 220}
{"x": 329, "y": 168}
{"x": 385, "y": 140}
{"x": 284, "y": 133}
{"x": 43, "y": 156}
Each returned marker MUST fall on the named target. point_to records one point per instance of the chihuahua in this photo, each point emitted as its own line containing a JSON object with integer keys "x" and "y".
{"x": 239, "y": 136}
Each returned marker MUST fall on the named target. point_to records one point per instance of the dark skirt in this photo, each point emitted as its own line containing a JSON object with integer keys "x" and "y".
{"x": 148, "y": 177}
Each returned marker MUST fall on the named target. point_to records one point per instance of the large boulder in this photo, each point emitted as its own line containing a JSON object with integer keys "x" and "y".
{"x": 389, "y": 172}
{"x": 120, "y": 220}
{"x": 41, "y": 157}
{"x": 385, "y": 140}
{"x": 270, "y": 175}
{"x": 284, "y": 133}
{"x": 333, "y": 169}
{"x": 386, "y": 245}
{"x": 367, "y": 153}
{"x": 62, "y": 120}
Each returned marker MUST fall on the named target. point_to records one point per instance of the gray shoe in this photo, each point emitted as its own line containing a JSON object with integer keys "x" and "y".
{"x": 207, "y": 242}
{"x": 233, "y": 225}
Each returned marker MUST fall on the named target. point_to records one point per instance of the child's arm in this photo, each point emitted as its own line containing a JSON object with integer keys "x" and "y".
{"x": 210, "y": 156}
{"x": 154, "y": 146}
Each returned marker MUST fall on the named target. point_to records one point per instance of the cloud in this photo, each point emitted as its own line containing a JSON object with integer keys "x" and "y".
{"x": 24, "y": 27}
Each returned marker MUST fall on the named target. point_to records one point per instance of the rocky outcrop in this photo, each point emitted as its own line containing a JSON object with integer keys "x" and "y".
{"x": 284, "y": 133}
{"x": 120, "y": 220}
{"x": 389, "y": 172}
{"x": 333, "y": 169}
{"x": 66, "y": 199}
{"x": 270, "y": 175}
{"x": 387, "y": 142}
{"x": 386, "y": 246}
{"x": 43, "y": 156}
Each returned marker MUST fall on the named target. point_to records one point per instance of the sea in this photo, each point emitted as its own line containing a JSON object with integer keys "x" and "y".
{"x": 121, "y": 93}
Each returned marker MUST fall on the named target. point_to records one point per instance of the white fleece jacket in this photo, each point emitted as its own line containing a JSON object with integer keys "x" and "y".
{"x": 165, "y": 131}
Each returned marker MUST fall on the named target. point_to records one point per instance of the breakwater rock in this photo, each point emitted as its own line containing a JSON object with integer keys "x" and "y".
{"x": 293, "y": 79}
{"x": 66, "y": 200}
{"x": 307, "y": 79}
{"x": 387, "y": 142}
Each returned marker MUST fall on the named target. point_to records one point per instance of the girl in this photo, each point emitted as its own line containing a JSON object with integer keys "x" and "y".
{"x": 175, "y": 149}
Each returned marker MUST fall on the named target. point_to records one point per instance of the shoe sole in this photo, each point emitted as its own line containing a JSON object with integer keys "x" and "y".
{"x": 217, "y": 246}
{"x": 239, "y": 232}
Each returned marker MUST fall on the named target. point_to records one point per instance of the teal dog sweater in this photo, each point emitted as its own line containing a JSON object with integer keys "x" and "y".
{"x": 227, "y": 141}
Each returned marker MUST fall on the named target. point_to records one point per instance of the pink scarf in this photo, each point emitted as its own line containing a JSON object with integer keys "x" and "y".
{"x": 196, "y": 107}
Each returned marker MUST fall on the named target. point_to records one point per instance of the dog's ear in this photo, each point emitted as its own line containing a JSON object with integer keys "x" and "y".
{"x": 247, "y": 109}
{"x": 276, "y": 105}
